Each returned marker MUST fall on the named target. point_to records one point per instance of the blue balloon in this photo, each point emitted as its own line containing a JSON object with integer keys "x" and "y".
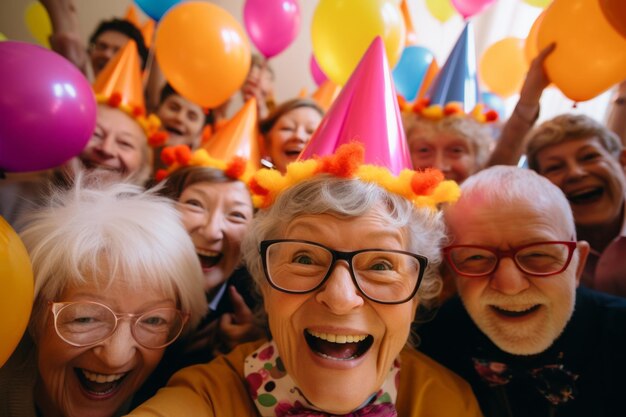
{"x": 494, "y": 102}
{"x": 410, "y": 70}
{"x": 156, "y": 8}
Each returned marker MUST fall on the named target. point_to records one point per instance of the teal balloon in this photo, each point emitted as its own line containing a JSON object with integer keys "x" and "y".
{"x": 494, "y": 102}
{"x": 156, "y": 8}
{"x": 410, "y": 70}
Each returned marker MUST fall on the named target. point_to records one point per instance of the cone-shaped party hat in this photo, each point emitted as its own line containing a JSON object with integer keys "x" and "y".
{"x": 457, "y": 80}
{"x": 121, "y": 77}
{"x": 365, "y": 111}
{"x": 238, "y": 137}
{"x": 132, "y": 16}
{"x": 326, "y": 94}
{"x": 147, "y": 30}
{"x": 429, "y": 77}
{"x": 119, "y": 85}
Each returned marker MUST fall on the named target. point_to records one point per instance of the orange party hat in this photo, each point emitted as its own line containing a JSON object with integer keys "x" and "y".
{"x": 326, "y": 94}
{"x": 132, "y": 16}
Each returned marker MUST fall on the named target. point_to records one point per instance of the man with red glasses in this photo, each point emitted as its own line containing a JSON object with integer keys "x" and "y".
{"x": 530, "y": 341}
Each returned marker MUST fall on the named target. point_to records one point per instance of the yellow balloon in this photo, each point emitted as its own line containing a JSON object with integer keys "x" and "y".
{"x": 2, "y": 37}
{"x": 38, "y": 23}
{"x": 503, "y": 66}
{"x": 441, "y": 10}
{"x": 342, "y": 30}
{"x": 16, "y": 290}
{"x": 590, "y": 54}
{"x": 538, "y": 3}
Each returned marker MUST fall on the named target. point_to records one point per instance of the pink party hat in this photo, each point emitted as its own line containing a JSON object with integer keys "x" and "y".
{"x": 366, "y": 111}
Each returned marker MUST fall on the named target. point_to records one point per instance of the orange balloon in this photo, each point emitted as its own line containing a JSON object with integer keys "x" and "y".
{"x": 502, "y": 67}
{"x": 590, "y": 55}
{"x": 530, "y": 46}
{"x": 203, "y": 52}
{"x": 16, "y": 290}
{"x": 615, "y": 13}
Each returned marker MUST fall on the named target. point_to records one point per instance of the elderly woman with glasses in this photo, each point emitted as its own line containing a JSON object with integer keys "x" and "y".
{"x": 117, "y": 280}
{"x": 343, "y": 254}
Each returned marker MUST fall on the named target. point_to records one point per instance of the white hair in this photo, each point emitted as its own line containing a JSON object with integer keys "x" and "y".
{"x": 113, "y": 231}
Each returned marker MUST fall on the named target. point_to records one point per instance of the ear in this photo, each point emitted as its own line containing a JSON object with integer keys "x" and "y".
{"x": 583, "y": 251}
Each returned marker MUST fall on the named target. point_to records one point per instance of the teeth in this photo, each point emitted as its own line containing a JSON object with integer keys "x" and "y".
{"x": 338, "y": 338}
{"x": 101, "y": 378}
{"x": 209, "y": 253}
{"x": 516, "y": 309}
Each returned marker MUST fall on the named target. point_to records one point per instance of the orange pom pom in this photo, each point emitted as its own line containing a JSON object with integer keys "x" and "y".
{"x": 138, "y": 111}
{"x": 168, "y": 155}
{"x": 183, "y": 154}
{"x": 345, "y": 162}
{"x": 115, "y": 100}
{"x": 421, "y": 104}
{"x": 256, "y": 188}
{"x": 424, "y": 182}
{"x": 160, "y": 175}
{"x": 157, "y": 139}
{"x": 236, "y": 168}
{"x": 452, "y": 108}
{"x": 492, "y": 116}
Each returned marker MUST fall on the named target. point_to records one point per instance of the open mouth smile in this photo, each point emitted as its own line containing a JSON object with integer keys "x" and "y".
{"x": 515, "y": 313}
{"x": 339, "y": 347}
{"x": 586, "y": 196}
{"x": 99, "y": 386}
{"x": 208, "y": 259}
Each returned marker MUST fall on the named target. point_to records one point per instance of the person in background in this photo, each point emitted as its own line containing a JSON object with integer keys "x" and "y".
{"x": 456, "y": 145}
{"x": 529, "y": 340}
{"x": 116, "y": 281}
{"x": 216, "y": 210}
{"x": 342, "y": 264}
{"x": 106, "y": 40}
{"x": 287, "y": 130}
{"x": 182, "y": 119}
{"x": 586, "y": 161}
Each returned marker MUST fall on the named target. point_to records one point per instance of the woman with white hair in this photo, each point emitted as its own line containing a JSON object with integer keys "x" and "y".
{"x": 117, "y": 280}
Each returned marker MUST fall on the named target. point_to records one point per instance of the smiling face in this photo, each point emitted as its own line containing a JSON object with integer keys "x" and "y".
{"x": 453, "y": 155}
{"x": 591, "y": 178}
{"x": 96, "y": 380}
{"x": 182, "y": 119}
{"x": 312, "y": 331}
{"x": 105, "y": 47}
{"x": 291, "y": 132}
{"x": 216, "y": 216}
{"x": 521, "y": 314}
{"x": 118, "y": 146}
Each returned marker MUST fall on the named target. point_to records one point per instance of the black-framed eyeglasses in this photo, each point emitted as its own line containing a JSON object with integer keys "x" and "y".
{"x": 381, "y": 275}
{"x": 85, "y": 323}
{"x": 539, "y": 259}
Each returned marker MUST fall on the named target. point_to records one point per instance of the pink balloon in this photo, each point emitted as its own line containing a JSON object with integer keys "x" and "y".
{"x": 468, "y": 8}
{"x": 271, "y": 24}
{"x": 318, "y": 75}
{"x": 47, "y": 108}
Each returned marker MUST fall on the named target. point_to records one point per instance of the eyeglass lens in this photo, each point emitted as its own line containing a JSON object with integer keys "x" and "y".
{"x": 536, "y": 259}
{"x": 381, "y": 275}
{"x": 86, "y": 323}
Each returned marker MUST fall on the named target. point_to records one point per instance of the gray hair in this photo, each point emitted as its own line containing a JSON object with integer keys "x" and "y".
{"x": 501, "y": 185}
{"x": 350, "y": 198}
{"x": 95, "y": 231}
{"x": 567, "y": 127}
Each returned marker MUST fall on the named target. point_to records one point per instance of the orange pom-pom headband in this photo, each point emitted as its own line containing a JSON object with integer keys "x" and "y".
{"x": 423, "y": 188}
{"x": 181, "y": 156}
{"x": 151, "y": 124}
{"x": 423, "y": 108}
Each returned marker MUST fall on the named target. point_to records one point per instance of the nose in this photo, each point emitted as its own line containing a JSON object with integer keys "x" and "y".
{"x": 339, "y": 294}
{"x": 106, "y": 145}
{"x": 118, "y": 350}
{"x": 213, "y": 228}
{"x": 508, "y": 279}
{"x": 440, "y": 161}
{"x": 301, "y": 134}
{"x": 575, "y": 171}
